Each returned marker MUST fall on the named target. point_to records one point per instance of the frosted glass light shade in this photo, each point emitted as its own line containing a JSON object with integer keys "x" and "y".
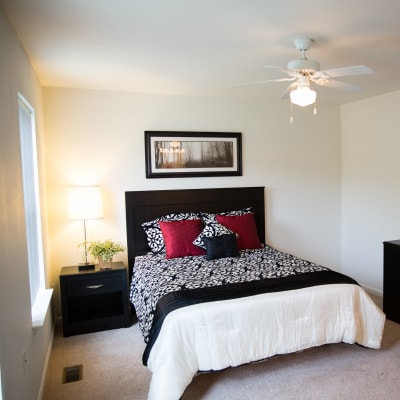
{"x": 303, "y": 96}
{"x": 85, "y": 202}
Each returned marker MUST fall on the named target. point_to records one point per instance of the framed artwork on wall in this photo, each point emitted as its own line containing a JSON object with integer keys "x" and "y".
{"x": 192, "y": 154}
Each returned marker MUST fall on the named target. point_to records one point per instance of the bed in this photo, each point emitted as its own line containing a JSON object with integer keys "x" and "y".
{"x": 229, "y": 299}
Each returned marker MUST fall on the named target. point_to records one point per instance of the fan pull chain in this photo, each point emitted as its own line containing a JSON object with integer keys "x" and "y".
{"x": 315, "y": 106}
{"x": 291, "y": 113}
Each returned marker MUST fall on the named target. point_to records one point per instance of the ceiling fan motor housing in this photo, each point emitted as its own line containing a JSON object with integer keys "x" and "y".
{"x": 303, "y": 65}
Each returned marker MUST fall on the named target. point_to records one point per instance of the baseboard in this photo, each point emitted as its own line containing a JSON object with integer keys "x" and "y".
{"x": 46, "y": 363}
{"x": 374, "y": 291}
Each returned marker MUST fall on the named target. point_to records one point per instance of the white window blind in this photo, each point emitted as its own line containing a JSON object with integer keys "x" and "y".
{"x": 32, "y": 208}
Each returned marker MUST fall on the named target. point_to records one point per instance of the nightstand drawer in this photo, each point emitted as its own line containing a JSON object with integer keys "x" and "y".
{"x": 87, "y": 287}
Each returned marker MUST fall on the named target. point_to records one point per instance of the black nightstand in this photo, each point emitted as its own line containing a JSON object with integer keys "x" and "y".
{"x": 94, "y": 300}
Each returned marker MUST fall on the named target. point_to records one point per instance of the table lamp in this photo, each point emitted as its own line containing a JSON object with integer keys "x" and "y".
{"x": 84, "y": 203}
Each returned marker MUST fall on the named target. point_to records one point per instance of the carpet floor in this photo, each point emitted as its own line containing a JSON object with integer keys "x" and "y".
{"x": 112, "y": 369}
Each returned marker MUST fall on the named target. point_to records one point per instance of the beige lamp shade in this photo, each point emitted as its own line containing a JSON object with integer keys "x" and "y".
{"x": 85, "y": 202}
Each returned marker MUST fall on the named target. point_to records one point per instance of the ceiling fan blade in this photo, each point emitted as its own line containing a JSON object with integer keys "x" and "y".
{"x": 288, "y": 90}
{"x": 258, "y": 82}
{"x": 286, "y": 70}
{"x": 336, "y": 85}
{"x": 346, "y": 71}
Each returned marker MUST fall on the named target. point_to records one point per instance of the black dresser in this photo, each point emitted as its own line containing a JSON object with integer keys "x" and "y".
{"x": 391, "y": 280}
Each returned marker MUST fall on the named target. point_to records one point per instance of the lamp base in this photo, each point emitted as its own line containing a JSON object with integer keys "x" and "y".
{"x": 85, "y": 267}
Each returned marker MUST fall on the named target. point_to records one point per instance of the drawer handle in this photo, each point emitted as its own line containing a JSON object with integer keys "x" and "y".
{"x": 94, "y": 286}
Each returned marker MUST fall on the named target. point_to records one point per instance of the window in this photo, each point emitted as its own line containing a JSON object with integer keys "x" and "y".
{"x": 40, "y": 297}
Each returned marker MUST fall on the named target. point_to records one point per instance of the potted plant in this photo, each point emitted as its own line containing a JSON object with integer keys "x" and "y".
{"x": 105, "y": 251}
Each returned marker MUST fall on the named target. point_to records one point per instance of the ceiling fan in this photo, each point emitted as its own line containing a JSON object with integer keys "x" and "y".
{"x": 304, "y": 73}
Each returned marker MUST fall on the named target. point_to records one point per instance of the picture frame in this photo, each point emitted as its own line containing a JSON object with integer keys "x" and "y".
{"x": 177, "y": 154}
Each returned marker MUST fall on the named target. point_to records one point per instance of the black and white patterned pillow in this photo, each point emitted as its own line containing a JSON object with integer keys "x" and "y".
{"x": 154, "y": 236}
{"x": 243, "y": 211}
{"x": 212, "y": 229}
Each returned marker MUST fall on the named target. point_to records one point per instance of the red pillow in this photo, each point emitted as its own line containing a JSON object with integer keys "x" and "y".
{"x": 179, "y": 236}
{"x": 245, "y": 227}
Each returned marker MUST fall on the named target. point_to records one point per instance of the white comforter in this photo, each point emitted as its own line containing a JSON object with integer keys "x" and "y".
{"x": 213, "y": 336}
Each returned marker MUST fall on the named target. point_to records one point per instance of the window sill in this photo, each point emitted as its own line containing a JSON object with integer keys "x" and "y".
{"x": 39, "y": 309}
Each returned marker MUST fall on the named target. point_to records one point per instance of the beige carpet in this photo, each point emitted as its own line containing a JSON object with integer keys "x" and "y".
{"x": 112, "y": 369}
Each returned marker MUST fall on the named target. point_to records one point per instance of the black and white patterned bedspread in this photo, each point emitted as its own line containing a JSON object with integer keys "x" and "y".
{"x": 155, "y": 276}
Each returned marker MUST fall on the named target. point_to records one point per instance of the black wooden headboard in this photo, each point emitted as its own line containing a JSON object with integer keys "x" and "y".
{"x": 142, "y": 206}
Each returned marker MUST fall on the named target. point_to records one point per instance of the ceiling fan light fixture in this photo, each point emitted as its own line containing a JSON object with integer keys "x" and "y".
{"x": 303, "y": 96}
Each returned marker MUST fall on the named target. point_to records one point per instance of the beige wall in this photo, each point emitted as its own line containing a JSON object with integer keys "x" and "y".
{"x": 370, "y": 185}
{"x": 97, "y": 137}
{"x": 19, "y": 380}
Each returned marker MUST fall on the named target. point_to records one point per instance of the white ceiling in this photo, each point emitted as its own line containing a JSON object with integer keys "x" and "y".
{"x": 189, "y": 47}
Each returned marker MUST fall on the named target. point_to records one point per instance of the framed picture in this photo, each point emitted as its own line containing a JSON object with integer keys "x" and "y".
{"x": 192, "y": 154}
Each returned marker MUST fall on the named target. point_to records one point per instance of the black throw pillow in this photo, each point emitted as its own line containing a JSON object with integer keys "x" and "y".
{"x": 221, "y": 246}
